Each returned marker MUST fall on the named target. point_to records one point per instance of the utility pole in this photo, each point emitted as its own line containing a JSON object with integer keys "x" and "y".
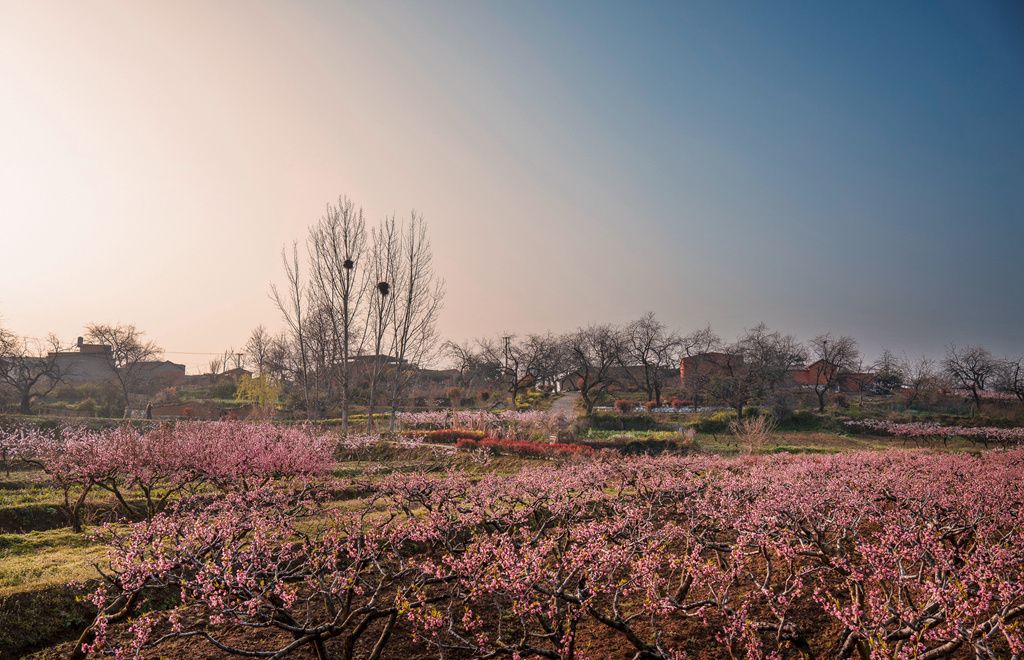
{"x": 508, "y": 343}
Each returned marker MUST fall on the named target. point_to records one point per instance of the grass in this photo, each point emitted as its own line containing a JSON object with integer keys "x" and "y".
{"x": 36, "y": 560}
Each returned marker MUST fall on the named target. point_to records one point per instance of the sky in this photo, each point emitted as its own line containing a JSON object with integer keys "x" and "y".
{"x": 847, "y": 167}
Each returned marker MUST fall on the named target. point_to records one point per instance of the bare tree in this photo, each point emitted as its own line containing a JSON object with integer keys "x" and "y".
{"x": 890, "y": 372}
{"x": 544, "y": 359}
{"x": 970, "y": 368}
{"x": 382, "y": 269}
{"x": 129, "y": 350}
{"x": 699, "y": 342}
{"x": 257, "y": 349}
{"x": 291, "y": 304}
{"x": 922, "y": 379}
{"x": 513, "y": 362}
{"x": 650, "y": 349}
{"x": 755, "y": 366}
{"x": 419, "y": 294}
{"x": 590, "y": 354}
{"x": 1010, "y": 378}
{"x": 281, "y": 362}
{"x": 215, "y": 365}
{"x": 29, "y": 368}
{"x": 834, "y": 357}
{"x": 474, "y": 364}
{"x": 337, "y": 244}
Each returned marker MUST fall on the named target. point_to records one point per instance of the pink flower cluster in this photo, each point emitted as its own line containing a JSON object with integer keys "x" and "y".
{"x": 930, "y": 431}
{"x": 901, "y": 554}
{"x": 160, "y": 464}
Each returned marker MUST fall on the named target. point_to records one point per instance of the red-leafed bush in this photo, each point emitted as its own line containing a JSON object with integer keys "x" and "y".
{"x": 624, "y": 405}
{"x": 650, "y": 405}
{"x": 452, "y": 435}
{"x": 680, "y": 403}
{"x": 525, "y": 447}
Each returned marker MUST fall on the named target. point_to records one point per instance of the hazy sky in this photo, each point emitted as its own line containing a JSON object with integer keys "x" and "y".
{"x": 856, "y": 168}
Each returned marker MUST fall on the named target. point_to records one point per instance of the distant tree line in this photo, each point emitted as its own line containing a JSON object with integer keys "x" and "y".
{"x": 756, "y": 367}
{"x": 360, "y": 302}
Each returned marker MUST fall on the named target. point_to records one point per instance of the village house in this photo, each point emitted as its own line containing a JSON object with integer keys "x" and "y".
{"x": 94, "y": 364}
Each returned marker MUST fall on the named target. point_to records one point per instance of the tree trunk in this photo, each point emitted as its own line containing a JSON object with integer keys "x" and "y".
{"x": 25, "y": 407}
{"x": 587, "y": 401}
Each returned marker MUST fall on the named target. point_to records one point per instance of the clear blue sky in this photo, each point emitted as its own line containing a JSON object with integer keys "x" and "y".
{"x": 853, "y": 167}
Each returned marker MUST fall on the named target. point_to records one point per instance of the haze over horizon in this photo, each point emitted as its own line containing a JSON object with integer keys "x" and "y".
{"x": 858, "y": 169}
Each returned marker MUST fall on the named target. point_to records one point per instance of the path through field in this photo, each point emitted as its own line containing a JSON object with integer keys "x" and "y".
{"x": 566, "y": 403}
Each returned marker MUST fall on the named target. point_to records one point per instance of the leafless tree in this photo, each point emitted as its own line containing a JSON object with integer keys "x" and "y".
{"x": 257, "y": 349}
{"x": 890, "y": 371}
{"x": 699, "y": 342}
{"x": 546, "y": 360}
{"x": 129, "y": 350}
{"x": 215, "y": 365}
{"x": 970, "y": 368}
{"x": 650, "y": 349}
{"x": 474, "y": 364}
{"x": 590, "y": 353}
{"x": 922, "y": 379}
{"x": 1010, "y": 378}
{"x": 280, "y": 362}
{"x": 419, "y": 294}
{"x": 514, "y": 363}
{"x": 30, "y": 368}
{"x": 292, "y": 304}
{"x": 833, "y": 357}
{"x": 337, "y": 245}
{"x": 382, "y": 269}
{"x": 755, "y": 366}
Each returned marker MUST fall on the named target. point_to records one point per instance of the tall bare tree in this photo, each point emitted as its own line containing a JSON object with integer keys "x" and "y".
{"x": 292, "y": 303}
{"x": 419, "y": 294}
{"x": 382, "y": 270}
{"x": 337, "y": 246}
{"x": 30, "y": 368}
{"x": 833, "y": 357}
{"x": 970, "y": 368}
{"x": 129, "y": 350}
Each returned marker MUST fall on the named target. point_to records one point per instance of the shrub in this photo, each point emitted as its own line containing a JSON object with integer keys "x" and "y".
{"x": 753, "y": 433}
{"x": 624, "y": 406}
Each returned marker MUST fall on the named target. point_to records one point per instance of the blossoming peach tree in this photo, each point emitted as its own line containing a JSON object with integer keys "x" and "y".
{"x": 144, "y": 471}
{"x": 909, "y": 554}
